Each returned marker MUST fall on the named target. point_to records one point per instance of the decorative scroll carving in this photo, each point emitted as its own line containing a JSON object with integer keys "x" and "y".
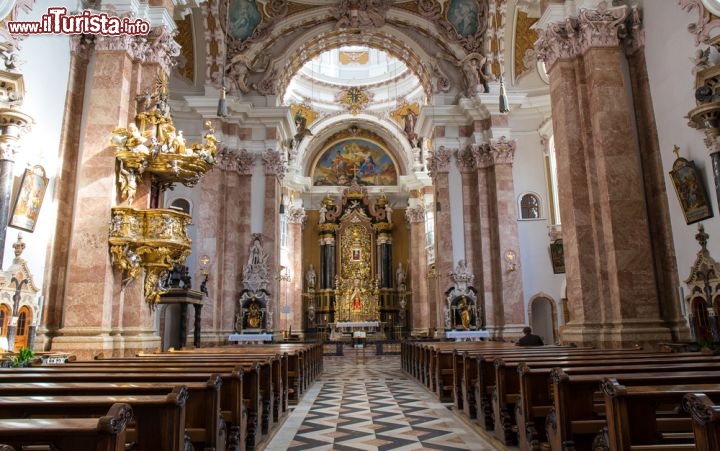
{"x": 274, "y": 163}
{"x": 241, "y": 161}
{"x": 558, "y": 41}
{"x": 634, "y": 33}
{"x": 439, "y": 160}
{"x": 472, "y": 42}
{"x": 601, "y": 27}
{"x": 704, "y": 25}
{"x": 525, "y": 37}
{"x": 245, "y": 162}
{"x": 465, "y": 159}
{"x": 503, "y": 150}
{"x": 107, "y": 43}
{"x": 363, "y": 14}
{"x": 162, "y": 49}
{"x": 483, "y": 157}
{"x": 415, "y": 214}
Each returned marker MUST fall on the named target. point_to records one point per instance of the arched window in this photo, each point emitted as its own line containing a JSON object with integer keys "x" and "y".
{"x": 530, "y": 206}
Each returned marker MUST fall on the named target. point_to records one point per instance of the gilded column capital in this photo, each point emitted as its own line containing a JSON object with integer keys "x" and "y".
{"x": 503, "y": 150}
{"x": 274, "y": 163}
{"x": 465, "y": 159}
{"x": 296, "y": 215}
{"x": 558, "y": 41}
{"x": 601, "y": 27}
{"x": 439, "y": 160}
{"x": 415, "y": 214}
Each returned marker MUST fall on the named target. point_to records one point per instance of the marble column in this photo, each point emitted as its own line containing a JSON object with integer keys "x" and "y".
{"x": 509, "y": 295}
{"x": 439, "y": 166}
{"x": 295, "y": 217}
{"x": 92, "y": 284}
{"x": 487, "y": 272}
{"x": 385, "y": 270}
{"x": 58, "y": 251}
{"x": 715, "y": 158}
{"x": 421, "y": 314}
{"x": 274, "y": 172}
{"x": 665, "y": 261}
{"x": 472, "y": 224}
{"x": 611, "y": 282}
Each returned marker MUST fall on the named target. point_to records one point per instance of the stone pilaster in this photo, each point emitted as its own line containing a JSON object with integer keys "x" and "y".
{"x": 210, "y": 222}
{"x": 509, "y": 296}
{"x": 422, "y": 308}
{"x": 439, "y": 166}
{"x": 471, "y": 219}
{"x": 274, "y": 173}
{"x": 295, "y": 217}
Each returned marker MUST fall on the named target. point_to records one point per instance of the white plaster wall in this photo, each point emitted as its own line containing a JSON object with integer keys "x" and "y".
{"x": 45, "y": 69}
{"x": 530, "y": 176}
{"x": 669, "y": 47}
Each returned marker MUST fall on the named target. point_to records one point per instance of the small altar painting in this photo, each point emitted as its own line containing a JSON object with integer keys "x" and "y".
{"x": 356, "y": 255}
{"x": 359, "y": 160}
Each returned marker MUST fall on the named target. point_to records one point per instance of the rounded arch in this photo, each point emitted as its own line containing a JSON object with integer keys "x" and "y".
{"x": 543, "y": 316}
{"x": 323, "y": 129}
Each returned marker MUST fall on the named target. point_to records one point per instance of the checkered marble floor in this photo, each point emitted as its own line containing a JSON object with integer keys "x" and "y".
{"x": 365, "y": 402}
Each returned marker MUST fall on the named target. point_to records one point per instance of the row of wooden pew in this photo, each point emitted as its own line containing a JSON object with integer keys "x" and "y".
{"x": 223, "y": 398}
{"x": 575, "y": 399}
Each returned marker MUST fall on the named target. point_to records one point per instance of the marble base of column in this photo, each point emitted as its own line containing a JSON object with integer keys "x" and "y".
{"x": 625, "y": 334}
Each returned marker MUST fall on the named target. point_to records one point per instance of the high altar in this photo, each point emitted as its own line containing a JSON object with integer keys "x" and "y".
{"x": 356, "y": 292}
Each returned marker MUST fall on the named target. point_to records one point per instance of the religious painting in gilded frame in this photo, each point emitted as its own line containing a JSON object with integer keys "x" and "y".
{"x": 690, "y": 190}
{"x": 464, "y": 15}
{"x": 29, "y": 199}
{"x": 557, "y": 257}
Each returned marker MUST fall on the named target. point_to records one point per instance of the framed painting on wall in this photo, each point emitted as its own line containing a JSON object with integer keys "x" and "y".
{"x": 557, "y": 256}
{"x": 29, "y": 199}
{"x": 690, "y": 191}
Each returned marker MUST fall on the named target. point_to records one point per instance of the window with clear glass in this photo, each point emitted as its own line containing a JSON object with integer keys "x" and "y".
{"x": 529, "y": 206}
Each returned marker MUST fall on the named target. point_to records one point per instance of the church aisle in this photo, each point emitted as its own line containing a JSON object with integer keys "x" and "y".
{"x": 365, "y": 402}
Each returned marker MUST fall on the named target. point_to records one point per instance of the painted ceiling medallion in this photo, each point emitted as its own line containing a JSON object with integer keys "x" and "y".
{"x": 355, "y": 99}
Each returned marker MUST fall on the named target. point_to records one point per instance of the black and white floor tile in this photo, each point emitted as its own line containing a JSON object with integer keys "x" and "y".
{"x": 366, "y": 402}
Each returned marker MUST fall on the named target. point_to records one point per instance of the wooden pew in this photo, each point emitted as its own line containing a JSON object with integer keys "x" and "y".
{"x": 648, "y": 415}
{"x": 706, "y": 420}
{"x": 205, "y": 429}
{"x": 106, "y": 433}
{"x": 575, "y": 419}
{"x": 158, "y": 420}
{"x": 507, "y": 392}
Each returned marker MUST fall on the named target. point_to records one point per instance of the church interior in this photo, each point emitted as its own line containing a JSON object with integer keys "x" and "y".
{"x": 359, "y": 177}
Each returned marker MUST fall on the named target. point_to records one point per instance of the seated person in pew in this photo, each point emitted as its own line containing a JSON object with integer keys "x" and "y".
{"x": 529, "y": 339}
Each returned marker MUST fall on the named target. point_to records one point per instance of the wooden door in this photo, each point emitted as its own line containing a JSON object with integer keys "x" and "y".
{"x": 23, "y": 326}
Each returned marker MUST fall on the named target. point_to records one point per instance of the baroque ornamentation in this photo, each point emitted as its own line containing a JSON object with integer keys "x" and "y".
{"x": 363, "y": 14}
{"x": 471, "y": 42}
{"x": 354, "y": 98}
{"x": 465, "y": 159}
{"x": 525, "y": 37}
{"x": 274, "y": 163}
{"x": 415, "y": 214}
{"x": 558, "y": 41}
{"x": 601, "y": 27}
{"x": 483, "y": 157}
{"x": 241, "y": 161}
{"x": 439, "y": 160}
{"x": 81, "y": 45}
{"x": 503, "y": 150}
{"x": 107, "y": 43}
{"x": 162, "y": 49}
{"x": 634, "y": 33}
{"x": 704, "y": 25}
{"x": 296, "y": 215}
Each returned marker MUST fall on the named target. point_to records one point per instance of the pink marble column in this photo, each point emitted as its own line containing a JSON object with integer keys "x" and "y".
{"x": 54, "y": 291}
{"x": 295, "y": 217}
{"x": 421, "y": 310}
{"x": 612, "y": 289}
{"x": 90, "y": 298}
{"x": 209, "y": 219}
{"x": 665, "y": 261}
{"x": 439, "y": 167}
{"x": 471, "y": 218}
{"x": 487, "y": 273}
{"x": 274, "y": 172}
{"x": 509, "y": 295}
